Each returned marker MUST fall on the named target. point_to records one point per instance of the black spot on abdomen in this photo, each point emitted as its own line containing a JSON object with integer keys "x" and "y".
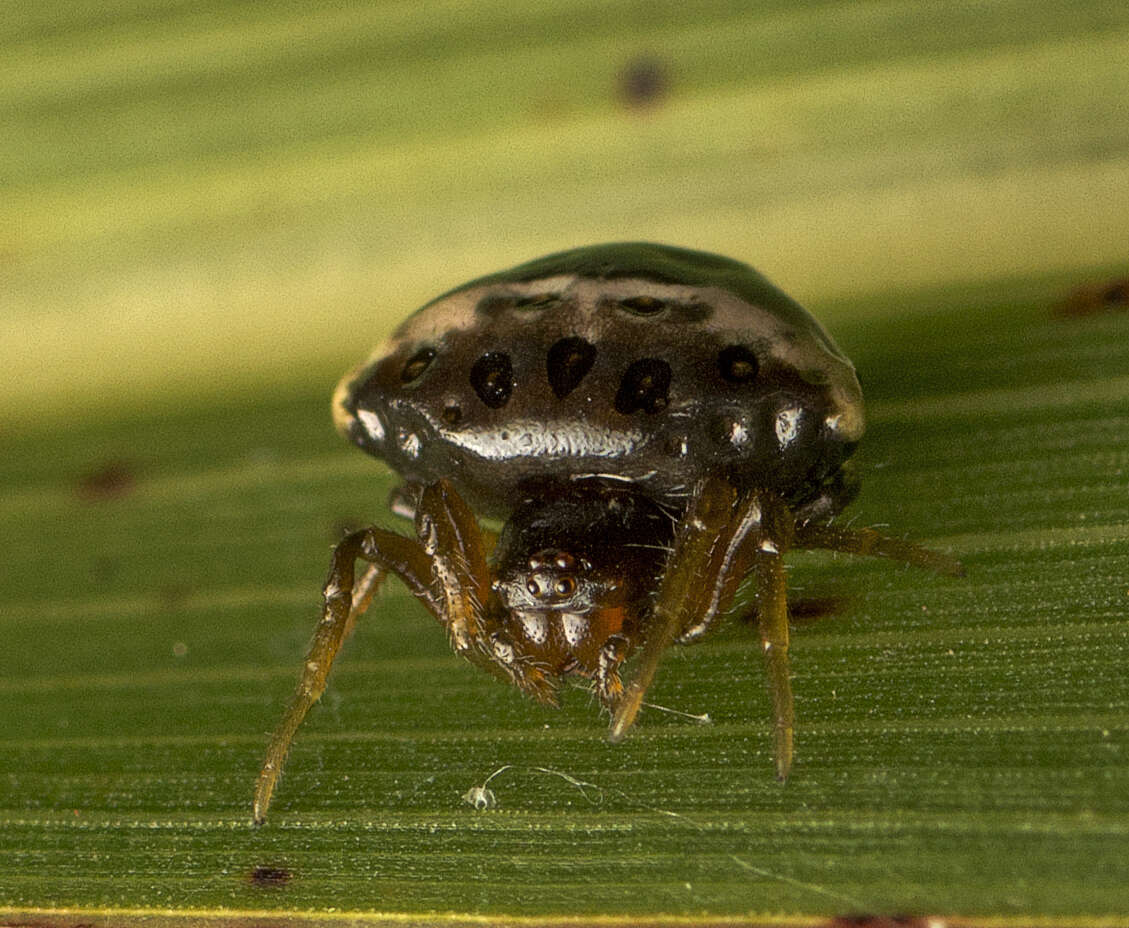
{"x": 568, "y": 362}
{"x": 645, "y": 386}
{"x": 492, "y": 377}
{"x": 417, "y": 364}
{"x": 737, "y": 364}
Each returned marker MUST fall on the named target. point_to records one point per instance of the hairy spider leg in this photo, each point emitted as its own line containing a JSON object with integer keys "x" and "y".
{"x": 456, "y": 545}
{"x": 774, "y": 538}
{"x": 364, "y": 590}
{"x": 868, "y": 542}
{"x": 713, "y": 550}
{"x": 609, "y": 685}
{"x": 389, "y": 552}
{"x": 724, "y": 536}
{"x": 450, "y": 537}
{"x": 445, "y": 569}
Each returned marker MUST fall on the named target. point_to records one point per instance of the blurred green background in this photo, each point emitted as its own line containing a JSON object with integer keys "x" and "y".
{"x": 208, "y": 211}
{"x": 203, "y": 197}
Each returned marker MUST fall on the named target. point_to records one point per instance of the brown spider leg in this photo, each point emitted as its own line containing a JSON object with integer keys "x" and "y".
{"x": 364, "y": 590}
{"x": 708, "y": 560}
{"x": 389, "y": 552}
{"x": 609, "y": 686}
{"x": 866, "y": 541}
{"x": 456, "y": 545}
{"x": 772, "y": 621}
{"x": 451, "y": 538}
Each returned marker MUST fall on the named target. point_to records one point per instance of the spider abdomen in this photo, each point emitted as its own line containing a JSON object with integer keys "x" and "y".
{"x": 641, "y": 363}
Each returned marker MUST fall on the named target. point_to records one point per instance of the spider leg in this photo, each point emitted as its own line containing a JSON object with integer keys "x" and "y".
{"x": 609, "y": 686}
{"x": 364, "y": 590}
{"x": 445, "y": 569}
{"x": 772, "y": 622}
{"x": 449, "y": 533}
{"x": 711, "y": 554}
{"x": 404, "y": 500}
{"x": 866, "y": 541}
{"x": 343, "y": 601}
{"x": 452, "y": 538}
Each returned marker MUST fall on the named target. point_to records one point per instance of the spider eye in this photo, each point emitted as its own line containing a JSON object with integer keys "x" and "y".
{"x": 565, "y": 586}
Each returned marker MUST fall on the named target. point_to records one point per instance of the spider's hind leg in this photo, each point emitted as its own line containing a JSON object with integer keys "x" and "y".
{"x": 867, "y": 541}
{"x": 775, "y": 537}
{"x": 836, "y": 493}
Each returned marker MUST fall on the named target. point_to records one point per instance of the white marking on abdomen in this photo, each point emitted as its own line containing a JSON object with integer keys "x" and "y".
{"x": 371, "y": 421}
{"x": 529, "y": 438}
{"x": 787, "y": 425}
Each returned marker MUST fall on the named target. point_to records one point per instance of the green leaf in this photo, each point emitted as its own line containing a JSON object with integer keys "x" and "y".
{"x": 961, "y": 743}
{"x": 186, "y": 284}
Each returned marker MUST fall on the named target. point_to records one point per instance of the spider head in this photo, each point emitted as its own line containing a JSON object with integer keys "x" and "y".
{"x": 577, "y": 564}
{"x": 553, "y": 579}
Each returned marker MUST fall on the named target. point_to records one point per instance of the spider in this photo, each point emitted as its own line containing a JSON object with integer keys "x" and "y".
{"x": 654, "y": 425}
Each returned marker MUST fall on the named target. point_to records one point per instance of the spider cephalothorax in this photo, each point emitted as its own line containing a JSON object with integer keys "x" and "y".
{"x": 653, "y": 424}
{"x": 574, "y": 575}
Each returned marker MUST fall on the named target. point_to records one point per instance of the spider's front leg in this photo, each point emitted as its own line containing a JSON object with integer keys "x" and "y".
{"x": 723, "y": 536}
{"x": 450, "y": 536}
{"x": 456, "y": 545}
{"x": 449, "y": 552}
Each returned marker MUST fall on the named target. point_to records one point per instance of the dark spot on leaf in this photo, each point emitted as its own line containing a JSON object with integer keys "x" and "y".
{"x": 643, "y": 82}
{"x": 1117, "y": 294}
{"x": 568, "y": 362}
{"x": 110, "y": 481}
{"x": 270, "y": 877}
{"x": 492, "y": 377}
{"x": 645, "y": 386}
{"x": 1091, "y": 299}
